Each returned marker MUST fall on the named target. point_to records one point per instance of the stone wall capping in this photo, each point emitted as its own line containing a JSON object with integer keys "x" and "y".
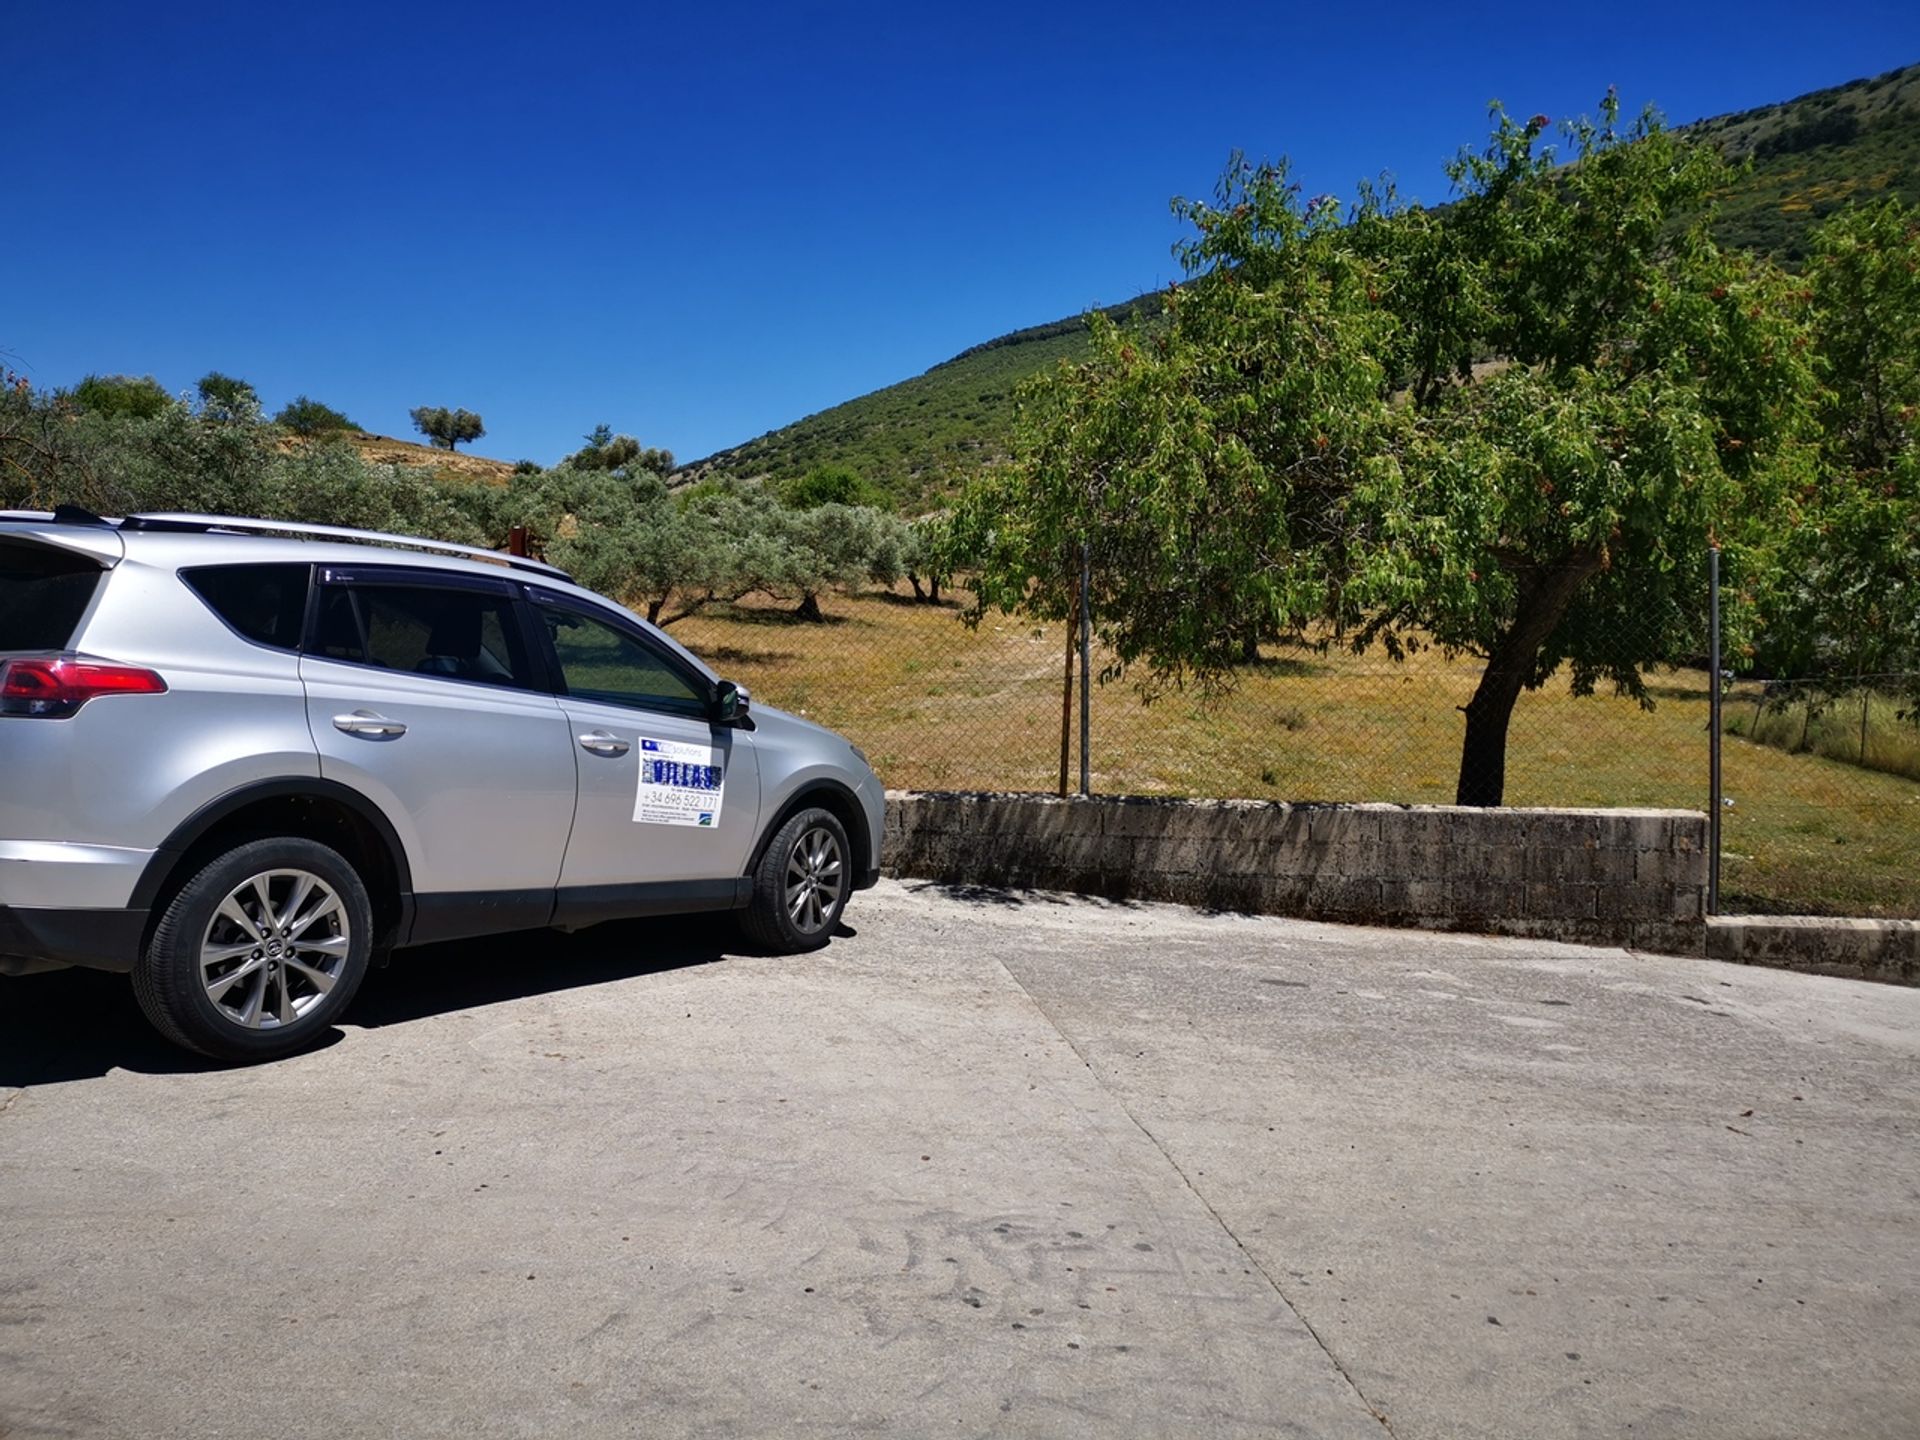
{"x": 1635, "y": 878}
{"x": 1590, "y": 875}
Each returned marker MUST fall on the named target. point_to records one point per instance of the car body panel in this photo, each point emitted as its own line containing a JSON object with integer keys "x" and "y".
{"x": 127, "y": 770}
{"x": 612, "y": 844}
{"x": 480, "y": 787}
{"x": 799, "y": 756}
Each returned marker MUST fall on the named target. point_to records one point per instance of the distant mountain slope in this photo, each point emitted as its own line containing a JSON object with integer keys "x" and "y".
{"x": 922, "y": 436}
{"x": 917, "y": 439}
{"x": 1815, "y": 154}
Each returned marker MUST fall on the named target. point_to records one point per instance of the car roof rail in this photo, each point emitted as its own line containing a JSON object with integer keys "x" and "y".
{"x": 75, "y": 515}
{"x": 181, "y": 523}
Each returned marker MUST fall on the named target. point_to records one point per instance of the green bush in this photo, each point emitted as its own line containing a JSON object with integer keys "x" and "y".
{"x": 226, "y": 400}
{"x": 827, "y": 485}
{"x": 121, "y": 397}
{"x": 307, "y": 418}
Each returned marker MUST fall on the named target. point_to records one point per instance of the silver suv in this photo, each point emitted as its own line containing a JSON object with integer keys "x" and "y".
{"x": 243, "y": 759}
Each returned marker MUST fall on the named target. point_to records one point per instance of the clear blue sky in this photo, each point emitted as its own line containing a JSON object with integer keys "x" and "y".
{"x": 698, "y": 223}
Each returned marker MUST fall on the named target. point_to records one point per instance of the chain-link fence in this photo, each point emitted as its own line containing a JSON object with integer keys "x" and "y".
{"x": 1821, "y": 778}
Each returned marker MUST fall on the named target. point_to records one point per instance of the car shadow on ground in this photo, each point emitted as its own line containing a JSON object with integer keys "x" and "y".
{"x": 1013, "y": 899}
{"x": 467, "y": 974}
{"x": 80, "y": 1024}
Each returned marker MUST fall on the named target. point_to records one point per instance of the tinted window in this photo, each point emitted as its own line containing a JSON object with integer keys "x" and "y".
{"x": 599, "y": 662}
{"x": 427, "y": 630}
{"x": 43, "y": 594}
{"x": 265, "y": 603}
{"x": 338, "y": 635}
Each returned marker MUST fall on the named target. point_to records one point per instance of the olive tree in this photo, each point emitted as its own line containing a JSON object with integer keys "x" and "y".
{"x": 446, "y": 428}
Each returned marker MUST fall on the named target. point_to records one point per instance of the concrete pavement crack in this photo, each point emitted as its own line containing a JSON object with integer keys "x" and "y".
{"x": 1206, "y": 1204}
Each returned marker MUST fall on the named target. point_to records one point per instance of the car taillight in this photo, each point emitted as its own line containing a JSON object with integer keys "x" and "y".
{"x": 55, "y": 686}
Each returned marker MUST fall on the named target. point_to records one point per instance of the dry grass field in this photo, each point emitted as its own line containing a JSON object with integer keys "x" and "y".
{"x": 936, "y": 705}
{"x": 451, "y": 464}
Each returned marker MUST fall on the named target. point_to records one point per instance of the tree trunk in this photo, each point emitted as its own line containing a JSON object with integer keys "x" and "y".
{"x": 1542, "y": 602}
{"x": 1250, "y": 648}
{"x": 809, "y": 607}
{"x": 918, "y": 593}
{"x": 933, "y": 589}
{"x": 654, "y": 608}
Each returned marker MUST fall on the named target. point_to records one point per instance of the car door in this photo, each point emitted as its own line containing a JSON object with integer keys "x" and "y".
{"x": 425, "y": 693}
{"x": 669, "y": 802}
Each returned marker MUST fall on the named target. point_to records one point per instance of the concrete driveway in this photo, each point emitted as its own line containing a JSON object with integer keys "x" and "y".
{"x": 993, "y": 1165}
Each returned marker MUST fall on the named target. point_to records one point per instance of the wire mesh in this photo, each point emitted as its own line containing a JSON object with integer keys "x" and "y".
{"x": 1809, "y": 827}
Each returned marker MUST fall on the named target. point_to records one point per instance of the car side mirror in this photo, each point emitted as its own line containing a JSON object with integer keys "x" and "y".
{"x": 732, "y": 705}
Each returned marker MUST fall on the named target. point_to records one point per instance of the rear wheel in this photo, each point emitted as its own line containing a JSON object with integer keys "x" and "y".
{"x": 259, "y": 952}
{"x": 800, "y": 885}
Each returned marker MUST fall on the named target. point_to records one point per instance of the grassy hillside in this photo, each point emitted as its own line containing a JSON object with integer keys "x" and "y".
{"x": 385, "y": 450}
{"x": 1815, "y": 154}
{"x": 917, "y": 439}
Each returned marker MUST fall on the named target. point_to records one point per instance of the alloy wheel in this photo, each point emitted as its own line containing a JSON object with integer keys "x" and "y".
{"x": 274, "y": 949}
{"x": 816, "y": 874}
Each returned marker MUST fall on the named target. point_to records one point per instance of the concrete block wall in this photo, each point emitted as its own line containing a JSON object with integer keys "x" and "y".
{"x": 1885, "y": 950}
{"x": 1618, "y": 877}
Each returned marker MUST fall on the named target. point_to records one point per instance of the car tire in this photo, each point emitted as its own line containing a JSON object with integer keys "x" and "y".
{"x": 801, "y": 884}
{"x": 273, "y": 985}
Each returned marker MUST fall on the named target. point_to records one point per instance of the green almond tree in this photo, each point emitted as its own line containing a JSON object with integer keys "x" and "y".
{"x": 1203, "y": 460}
{"x": 1642, "y": 396}
{"x": 1511, "y": 428}
{"x": 1848, "y": 598}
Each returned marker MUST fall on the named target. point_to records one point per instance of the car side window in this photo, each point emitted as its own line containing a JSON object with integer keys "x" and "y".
{"x": 603, "y": 663}
{"x": 453, "y": 633}
{"x": 265, "y": 603}
{"x": 338, "y": 635}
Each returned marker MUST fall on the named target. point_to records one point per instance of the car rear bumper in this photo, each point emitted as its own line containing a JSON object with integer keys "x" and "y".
{"x": 59, "y": 874}
{"x": 67, "y": 904}
{"x": 41, "y": 937}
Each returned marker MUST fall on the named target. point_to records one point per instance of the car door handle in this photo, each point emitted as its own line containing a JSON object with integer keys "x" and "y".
{"x": 601, "y": 743}
{"x": 365, "y": 722}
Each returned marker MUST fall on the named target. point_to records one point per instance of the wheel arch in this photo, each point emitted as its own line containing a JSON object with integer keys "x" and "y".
{"x": 310, "y": 808}
{"x": 839, "y": 801}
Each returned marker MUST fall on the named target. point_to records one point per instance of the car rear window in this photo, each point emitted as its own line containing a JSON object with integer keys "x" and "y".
{"x": 265, "y": 603}
{"x": 43, "y": 593}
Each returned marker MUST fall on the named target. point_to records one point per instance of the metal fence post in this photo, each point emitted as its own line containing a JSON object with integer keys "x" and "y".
{"x": 1066, "y": 683}
{"x": 1086, "y": 648}
{"x": 1713, "y": 727}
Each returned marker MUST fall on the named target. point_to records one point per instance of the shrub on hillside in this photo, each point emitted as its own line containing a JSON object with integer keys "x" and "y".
{"x": 827, "y": 485}
{"x": 605, "y": 450}
{"x": 121, "y": 397}
{"x": 227, "y": 400}
{"x": 307, "y": 418}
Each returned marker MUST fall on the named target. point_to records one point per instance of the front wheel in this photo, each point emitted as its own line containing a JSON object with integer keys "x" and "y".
{"x": 800, "y": 885}
{"x": 259, "y": 952}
